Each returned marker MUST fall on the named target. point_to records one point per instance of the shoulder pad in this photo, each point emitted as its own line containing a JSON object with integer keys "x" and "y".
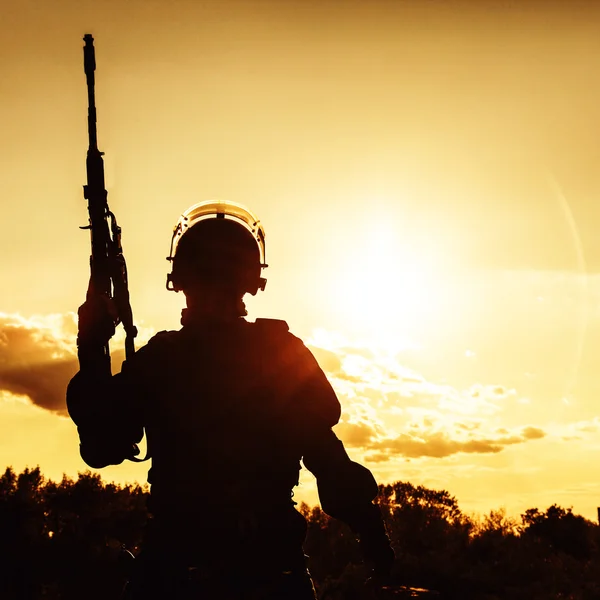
{"x": 160, "y": 338}
{"x": 162, "y": 335}
{"x": 156, "y": 347}
{"x": 273, "y": 325}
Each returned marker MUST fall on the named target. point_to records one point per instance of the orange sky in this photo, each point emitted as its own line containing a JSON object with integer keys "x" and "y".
{"x": 427, "y": 174}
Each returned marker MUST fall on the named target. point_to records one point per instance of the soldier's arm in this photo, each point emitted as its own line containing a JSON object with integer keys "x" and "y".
{"x": 108, "y": 410}
{"x": 107, "y": 426}
{"x": 346, "y": 489}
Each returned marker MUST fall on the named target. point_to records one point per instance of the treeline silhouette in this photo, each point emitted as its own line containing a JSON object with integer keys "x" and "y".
{"x": 62, "y": 540}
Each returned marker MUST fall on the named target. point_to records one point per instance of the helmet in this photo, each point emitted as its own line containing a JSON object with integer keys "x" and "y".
{"x": 220, "y": 242}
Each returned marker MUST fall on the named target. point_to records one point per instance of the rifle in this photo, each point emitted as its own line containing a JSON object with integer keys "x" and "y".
{"x": 108, "y": 276}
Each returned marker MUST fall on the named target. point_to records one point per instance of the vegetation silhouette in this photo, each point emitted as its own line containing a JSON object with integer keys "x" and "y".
{"x": 62, "y": 540}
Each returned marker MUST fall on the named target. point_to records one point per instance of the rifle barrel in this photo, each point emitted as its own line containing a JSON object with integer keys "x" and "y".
{"x": 89, "y": 66}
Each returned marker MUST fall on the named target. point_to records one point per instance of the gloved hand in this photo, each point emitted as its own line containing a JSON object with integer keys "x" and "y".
{"x": 377, "y": 553}
{"x": 97, "y": 319}
{"x": 98, "y": 453}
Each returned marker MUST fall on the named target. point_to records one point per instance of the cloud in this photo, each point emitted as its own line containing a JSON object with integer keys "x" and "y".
{"x": 377, "y": 457}
{"x": 392, "y": 411}
{"x": 587, "y": 426}
{"x": 440, "y": 444}
{"x": 388, "y": 410}
{"x": 328, "y": 360}
{"x": 469, "y": 426}
{"x": 356, "y": 434}
{"x": 38, "y": 357}
{"x": 533, "y": 433}
{"x": 43, "y": 383}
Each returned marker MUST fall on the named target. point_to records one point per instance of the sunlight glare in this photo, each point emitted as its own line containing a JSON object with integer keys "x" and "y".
{"x": 385, "y": 282}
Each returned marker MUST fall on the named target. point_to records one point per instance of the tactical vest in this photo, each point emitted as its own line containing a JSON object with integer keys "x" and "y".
{"x": 227, "y": 408}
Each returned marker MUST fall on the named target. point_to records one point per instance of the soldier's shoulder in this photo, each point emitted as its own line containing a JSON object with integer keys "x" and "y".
{"x": 274, "y": 331}
{"x": 278, "y": 332}
{"x": 147, "y": 357}
{"x": 276, "y": 326}
{"x": 159, "y": 342}
{"x": 163, "y": 337}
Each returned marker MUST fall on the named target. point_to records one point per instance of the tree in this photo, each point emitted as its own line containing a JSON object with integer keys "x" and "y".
{"x": 61, "y": 540}
{"x": 428, "y": 531}
{"x": 561, "y": 530}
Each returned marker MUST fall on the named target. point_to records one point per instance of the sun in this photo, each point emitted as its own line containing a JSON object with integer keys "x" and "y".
{"x": 385, "y": 282}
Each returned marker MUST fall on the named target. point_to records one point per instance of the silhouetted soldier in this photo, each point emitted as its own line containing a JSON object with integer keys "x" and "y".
{"x": 229, "y": 407}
